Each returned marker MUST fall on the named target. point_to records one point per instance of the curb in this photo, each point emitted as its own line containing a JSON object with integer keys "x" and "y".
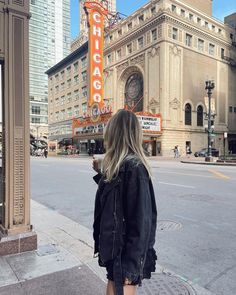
{"x": 209, "y": 163}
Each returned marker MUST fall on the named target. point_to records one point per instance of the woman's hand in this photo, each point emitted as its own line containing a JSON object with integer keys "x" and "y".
{"x": 97, "y": 163}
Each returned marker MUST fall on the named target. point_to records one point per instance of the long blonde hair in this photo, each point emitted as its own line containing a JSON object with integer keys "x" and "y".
{"x": 122, "y": 138}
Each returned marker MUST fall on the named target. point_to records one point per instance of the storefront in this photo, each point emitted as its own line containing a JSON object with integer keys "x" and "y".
{"x": 88, "y": 131}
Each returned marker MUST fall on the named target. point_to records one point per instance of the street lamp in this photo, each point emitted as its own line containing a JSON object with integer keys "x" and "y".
{"x": 210, "y": 85}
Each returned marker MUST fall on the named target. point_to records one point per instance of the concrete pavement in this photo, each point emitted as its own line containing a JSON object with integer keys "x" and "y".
{"x": 64, "y": 264}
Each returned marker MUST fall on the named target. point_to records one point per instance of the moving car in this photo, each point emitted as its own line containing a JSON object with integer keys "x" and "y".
{"x": 203, "y": 153}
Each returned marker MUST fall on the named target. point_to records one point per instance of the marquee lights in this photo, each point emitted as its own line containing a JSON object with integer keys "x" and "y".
{"x": 96, "y": 11}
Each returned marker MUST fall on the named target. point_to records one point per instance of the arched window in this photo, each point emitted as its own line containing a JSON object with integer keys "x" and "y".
{"x": 188, "y": 114}
{"x": 200, "y": 116}
{"x": 134, "y": 92}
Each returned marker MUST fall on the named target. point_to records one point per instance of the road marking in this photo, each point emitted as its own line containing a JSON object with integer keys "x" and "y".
{"x": 186, "y": 174}
{"x": 218, "y": 174}
{"x": 175, "y": 184}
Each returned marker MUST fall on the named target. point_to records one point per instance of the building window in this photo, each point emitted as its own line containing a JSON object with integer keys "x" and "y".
{"x": 68, "y": 70}
{"x": 154, "y": 35}
{"x": 213, "y": 27}
{"x": 199, "y": 20}
{"x": 69, "y": 113}
{"x": 76, "y": 94}
{"x": 33, "y": 2}
{"x": 62, "y": 86}
{"x": 57, "y": 102}
{"x": 62, "y": 74}
{"x": 76, "y": 79}
{"x": 173, "y": 8}
{"x": 57, "y": 88}
{"x": 211, "y": 49}
{"x": 140, "y": 42}
{"x": 118, "y": 53}
{"x": 84, "y": 76}
{"x": 153, "y": 10}
{"x": 141, "y": 18}
{"x": 230, "y": 109}
{"x": 206, "y": 25}
{"x": 84, "y": 91}
{"x": 84, "y": 61}
{"x": 119, "y": 32}
{"x": 84, "y": 108}
{"x": 222, "y": 53}
{"x": 201, "y": 45}
{"x": 57, "y": 77}
{"x": 188, "y": 114}
{"x": 174, "y": 33}
{"x": 200, "y": 116}
{"x": 130, "y": 26}
{"x": 188, "y": 40}
{"x": 108, "y": 59}
{"x": 57, "y": 116}
{"x": 234, "y": 109}
{"x": 76, "y": 111}
{"x": 35, "y": 120}
{"x": 63, "y": 99}
{"x": 190, "y": 17}
{"x": 68, "y": 83}
{"x": 69, "y": 98}
{"x": 111, "y": 37}
{"x": 182, "y": 13}
{"x": 36, "y": 110}
{"x": 129, "y": 48}
{"x": 63, "y": 115}
{"x": 219, "y": 31}
{"x": 76, "y": 66}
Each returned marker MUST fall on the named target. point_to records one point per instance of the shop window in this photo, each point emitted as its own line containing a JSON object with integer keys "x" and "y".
{"x": 200, "y": 116}
{"x": 188, "y": 114}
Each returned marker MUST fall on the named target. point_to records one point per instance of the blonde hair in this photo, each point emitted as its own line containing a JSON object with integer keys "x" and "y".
{"x": 122, "y": 139}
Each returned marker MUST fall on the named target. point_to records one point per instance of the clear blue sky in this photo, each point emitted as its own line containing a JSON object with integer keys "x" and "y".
{"x": 221, "y": 8}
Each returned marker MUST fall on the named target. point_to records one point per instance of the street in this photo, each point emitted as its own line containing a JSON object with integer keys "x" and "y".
{"x": 196, "y": 213}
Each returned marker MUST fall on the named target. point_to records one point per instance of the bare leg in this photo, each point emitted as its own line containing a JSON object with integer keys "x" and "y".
{"x": 128, "y": 289}
{"x": 110, "y": 288}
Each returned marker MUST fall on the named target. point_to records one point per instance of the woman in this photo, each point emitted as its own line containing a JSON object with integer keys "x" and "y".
{"x": 125, "y": 210}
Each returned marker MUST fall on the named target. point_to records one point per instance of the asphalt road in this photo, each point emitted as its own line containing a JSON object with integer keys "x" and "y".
{"x": 200, "y": 200}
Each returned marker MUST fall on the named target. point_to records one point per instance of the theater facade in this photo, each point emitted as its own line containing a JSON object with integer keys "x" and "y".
{"x": 156, "y": 63}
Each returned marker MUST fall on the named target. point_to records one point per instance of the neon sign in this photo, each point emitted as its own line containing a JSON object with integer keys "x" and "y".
{"x": 96, "y": 11}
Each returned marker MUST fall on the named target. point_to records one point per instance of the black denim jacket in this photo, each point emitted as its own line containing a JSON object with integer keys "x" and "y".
{"x": 125, "y": 219}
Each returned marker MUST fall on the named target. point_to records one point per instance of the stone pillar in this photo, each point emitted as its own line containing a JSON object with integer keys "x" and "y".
{"x": 16, "y": 233}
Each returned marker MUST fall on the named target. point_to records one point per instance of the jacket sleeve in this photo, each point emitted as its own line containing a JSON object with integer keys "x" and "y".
{"x": 137, "y": 205}
{"x": 97, "y": 177}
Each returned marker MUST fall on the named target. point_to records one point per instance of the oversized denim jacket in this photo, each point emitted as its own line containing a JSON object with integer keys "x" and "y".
{"x": 125, "y": 219}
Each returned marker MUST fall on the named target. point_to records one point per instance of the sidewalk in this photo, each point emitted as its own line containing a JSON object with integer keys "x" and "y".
{"x": 64, "y": 264}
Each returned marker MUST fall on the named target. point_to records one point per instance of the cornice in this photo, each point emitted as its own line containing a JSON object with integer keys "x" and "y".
{"x": 134, "y": 33}
{"x": 199, "y": 30}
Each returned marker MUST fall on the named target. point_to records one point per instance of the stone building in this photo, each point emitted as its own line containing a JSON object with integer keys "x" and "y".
{"x": 157, "y": 61}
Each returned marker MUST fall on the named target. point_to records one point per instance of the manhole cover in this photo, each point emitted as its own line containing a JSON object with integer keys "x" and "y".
{"x": 164, "y": 225}
{"x": 47, "y": 250}
{"x": 164, "y": 284}
{"x": 197, "y": 197}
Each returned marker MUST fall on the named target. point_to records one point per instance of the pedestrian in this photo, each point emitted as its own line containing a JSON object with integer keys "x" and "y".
{"x": 125, "y": 210}
{"x": 46, "y": 153}
{"x": 176, "y": 151}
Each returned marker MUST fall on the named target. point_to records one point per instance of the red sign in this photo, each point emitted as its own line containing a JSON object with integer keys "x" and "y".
{"x": 96, "y": 12}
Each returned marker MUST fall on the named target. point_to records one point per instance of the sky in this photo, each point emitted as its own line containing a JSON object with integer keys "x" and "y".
{"x": 221, "y": 8}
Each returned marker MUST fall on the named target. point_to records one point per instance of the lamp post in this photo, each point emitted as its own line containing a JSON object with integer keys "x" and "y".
{"x": 210, "y": 85}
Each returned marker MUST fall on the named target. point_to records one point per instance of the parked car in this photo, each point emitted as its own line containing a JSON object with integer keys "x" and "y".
{"x": 203, "y": 153}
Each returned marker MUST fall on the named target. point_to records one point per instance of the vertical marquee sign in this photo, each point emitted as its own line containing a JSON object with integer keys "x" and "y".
{"x": 96, "y": 12}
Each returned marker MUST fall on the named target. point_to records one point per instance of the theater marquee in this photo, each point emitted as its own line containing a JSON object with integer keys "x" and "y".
{"x": 96, "y": 12}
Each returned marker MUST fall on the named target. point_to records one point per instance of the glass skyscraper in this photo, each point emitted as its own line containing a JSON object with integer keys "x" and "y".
{"x": 49, "y": 40}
